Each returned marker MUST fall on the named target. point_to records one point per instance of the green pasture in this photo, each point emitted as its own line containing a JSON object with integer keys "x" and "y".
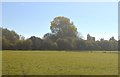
{"x": 59, "y": 63}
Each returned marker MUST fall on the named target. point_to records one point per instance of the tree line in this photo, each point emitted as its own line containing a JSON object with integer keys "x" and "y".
{"x": 63, "y": 36}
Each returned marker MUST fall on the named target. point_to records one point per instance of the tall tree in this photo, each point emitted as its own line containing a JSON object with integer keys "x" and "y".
{"x": 63, "y": 27}
{"x": 9, "y": 38}
{"x": 12, "y": 36}
{"x": 36, "y": 43}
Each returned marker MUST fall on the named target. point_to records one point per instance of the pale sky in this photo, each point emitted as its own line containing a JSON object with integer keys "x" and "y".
{"x": 99, "y": 19}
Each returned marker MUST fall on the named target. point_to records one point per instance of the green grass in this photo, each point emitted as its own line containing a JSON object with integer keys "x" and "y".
{"x": 59, "y": 63}
{"x": 0, "y": 63}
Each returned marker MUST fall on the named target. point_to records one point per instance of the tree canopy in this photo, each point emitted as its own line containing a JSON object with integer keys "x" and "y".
{"x": 62, "y": 27}
{"x": 63, "y": 36}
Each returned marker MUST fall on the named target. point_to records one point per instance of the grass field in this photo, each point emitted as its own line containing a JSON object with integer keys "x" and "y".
{"x": 0, "y": 63}
{"x": 59, "y": 63}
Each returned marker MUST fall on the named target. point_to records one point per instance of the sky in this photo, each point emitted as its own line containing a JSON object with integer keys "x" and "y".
{"x": 59, "y": 0}
{"x": 99, "y": 19}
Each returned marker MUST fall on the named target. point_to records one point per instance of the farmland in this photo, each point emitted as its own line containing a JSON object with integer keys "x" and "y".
{"x": 59, "y": 63}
